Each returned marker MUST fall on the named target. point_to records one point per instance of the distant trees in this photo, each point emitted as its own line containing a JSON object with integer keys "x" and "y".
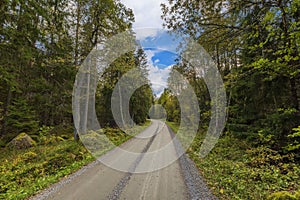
{"x": 255, "y": 45}
{"x": 157, "y": 112}
{"x": 141, "y": 100}
{"x": 171, "y": 105}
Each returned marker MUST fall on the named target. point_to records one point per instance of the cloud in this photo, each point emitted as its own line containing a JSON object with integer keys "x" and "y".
{"x": 157, "y": 76}
{"x": 144, "y": 33}
{"x": 147, "y": 12}
{"x": 158, "y": 38}
{"x": 148, "y": 23}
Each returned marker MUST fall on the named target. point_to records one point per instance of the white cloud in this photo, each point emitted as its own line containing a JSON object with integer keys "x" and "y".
{"x": 147, "y": 12}
{"x": 158, "y": 77}
{"x": 143, "y": 33}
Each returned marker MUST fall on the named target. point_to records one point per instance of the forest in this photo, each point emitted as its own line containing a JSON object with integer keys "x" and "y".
{"x": 254, "y": 43}
{"x": 43, "y": 43}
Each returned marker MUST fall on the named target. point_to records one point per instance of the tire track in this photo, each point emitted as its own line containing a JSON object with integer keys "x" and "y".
{"x": 115, "y": 194}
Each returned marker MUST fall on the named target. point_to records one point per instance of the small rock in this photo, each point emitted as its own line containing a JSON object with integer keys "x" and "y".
{"x": 22, "y": 141}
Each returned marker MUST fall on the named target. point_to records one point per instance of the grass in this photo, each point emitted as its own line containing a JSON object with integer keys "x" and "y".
{"x": 236, "y": 170}
{"x": 25, "y": 172}
{"x": 174, "y": 126}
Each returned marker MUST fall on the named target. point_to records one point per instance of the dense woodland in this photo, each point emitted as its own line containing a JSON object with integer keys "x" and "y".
{"x": 255, "y": 45}
{"x": 42, "y": 45}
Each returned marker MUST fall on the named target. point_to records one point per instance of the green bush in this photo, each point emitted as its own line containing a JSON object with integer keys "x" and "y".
{"x": 20, "y": 118}
{"x": 294, "y": 145}
{"x": 236, "y": 170}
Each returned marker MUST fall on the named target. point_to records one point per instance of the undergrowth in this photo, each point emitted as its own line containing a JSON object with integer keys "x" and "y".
{"x": 236, "y": 170}
{"x": 25, "y": 172}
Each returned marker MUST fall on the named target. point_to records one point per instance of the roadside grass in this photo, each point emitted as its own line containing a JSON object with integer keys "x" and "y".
{"x": 174, "y": 126}
{"x": 236, "y": 170}
{"x": 25, "y": 172}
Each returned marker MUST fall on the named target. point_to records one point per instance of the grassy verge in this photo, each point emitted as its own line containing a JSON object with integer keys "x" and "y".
{"x": 174, "y": 126}
{"x": 25, "y": 172}
{"x": 236, "y": 170}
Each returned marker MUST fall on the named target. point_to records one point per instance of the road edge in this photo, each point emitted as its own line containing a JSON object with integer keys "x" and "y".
{"x": 195, "y": 183}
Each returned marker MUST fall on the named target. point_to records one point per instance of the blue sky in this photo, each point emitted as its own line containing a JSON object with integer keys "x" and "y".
{"x": 161, "y": 54}
{"x": 160, "y": 63}
{"x": 162, "y": 58}
{"x": 160, "y": 46}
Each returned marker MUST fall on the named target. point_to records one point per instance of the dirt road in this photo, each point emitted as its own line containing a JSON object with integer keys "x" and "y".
{"x": 178, "y": 180}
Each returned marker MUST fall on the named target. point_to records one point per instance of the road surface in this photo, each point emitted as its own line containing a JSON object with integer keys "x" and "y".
{"x": 178, "y": 180}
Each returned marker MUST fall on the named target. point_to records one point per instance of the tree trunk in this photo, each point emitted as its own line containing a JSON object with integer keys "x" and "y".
{"x": 77, "y": 33}
{"x": 294, "y": 92}
{"x": 5, "y": 112}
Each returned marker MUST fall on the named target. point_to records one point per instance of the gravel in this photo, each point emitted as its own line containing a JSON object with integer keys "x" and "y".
{"x": 196, "y": 185}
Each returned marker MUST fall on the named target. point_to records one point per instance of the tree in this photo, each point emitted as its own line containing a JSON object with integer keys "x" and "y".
{"x": 42, "y": 43}
{"x": 255, "y": 46}
{"x": 140, "y": 101}
{"x": 170, "y": 103}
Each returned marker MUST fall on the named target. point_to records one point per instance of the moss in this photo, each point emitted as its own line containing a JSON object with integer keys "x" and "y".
{"x": 29, "y": 156}
{"x": 282, "y": 196}
{"x": 22, "y": 141}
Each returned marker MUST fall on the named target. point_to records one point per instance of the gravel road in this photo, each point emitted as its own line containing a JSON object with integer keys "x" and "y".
{"x": 179, "y": 180}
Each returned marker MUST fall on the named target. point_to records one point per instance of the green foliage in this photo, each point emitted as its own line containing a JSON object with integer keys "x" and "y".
{"x": 25, "y": 172}
{"x": 294, "y": 137}
{"x": 44, "y": 130}
{"x": 42, "y": 44}
{"x": 140, "y": 101}
{"x": 140, "y": 104}
{"x": 276, "y": 128}
{"x": 21, "y": 118}
{"x": 171, "y": 105}
{"x": 2, "y": 143}
{"x": 256, "y": 48}
{"x": 282, "y": 196}
{"x": 235, "y": 170}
